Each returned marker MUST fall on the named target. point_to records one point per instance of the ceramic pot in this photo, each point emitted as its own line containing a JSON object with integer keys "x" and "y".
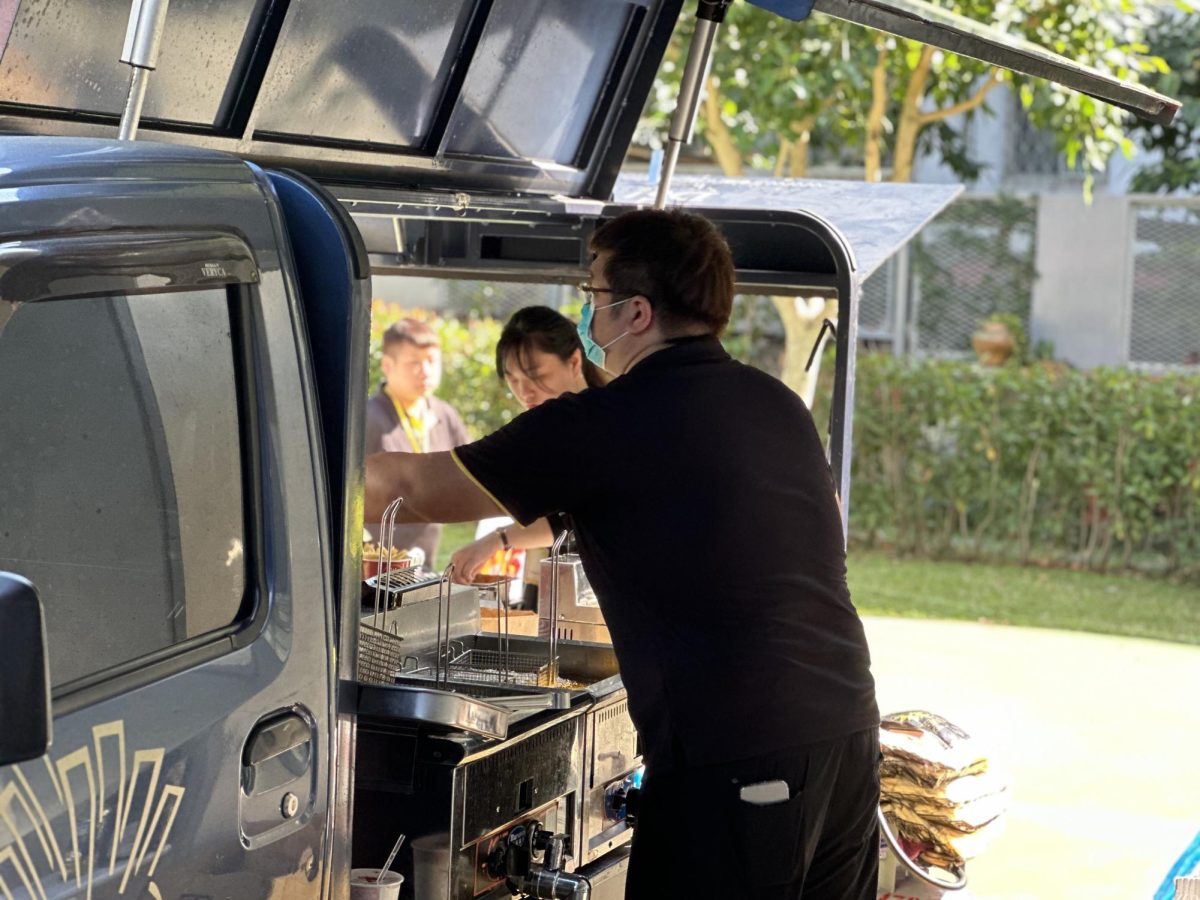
{"x": 993, "y": 343}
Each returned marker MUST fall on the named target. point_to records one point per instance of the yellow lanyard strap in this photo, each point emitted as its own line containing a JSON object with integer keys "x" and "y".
{"x": 414, "y": 428}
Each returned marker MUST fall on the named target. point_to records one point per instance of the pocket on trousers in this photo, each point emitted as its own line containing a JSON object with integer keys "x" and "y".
{"x": 769, "y": 840}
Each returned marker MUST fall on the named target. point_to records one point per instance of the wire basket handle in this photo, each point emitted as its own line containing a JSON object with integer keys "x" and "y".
{"x": 441, "y": 676}
{"x": 387, "y": 533}
{"x": 555, "y": 557}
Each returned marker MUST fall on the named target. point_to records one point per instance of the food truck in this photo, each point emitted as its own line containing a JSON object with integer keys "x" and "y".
{"x": 199, "y": 697}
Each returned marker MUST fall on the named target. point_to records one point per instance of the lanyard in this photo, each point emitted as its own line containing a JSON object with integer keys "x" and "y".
{"x": 414, "y": 429}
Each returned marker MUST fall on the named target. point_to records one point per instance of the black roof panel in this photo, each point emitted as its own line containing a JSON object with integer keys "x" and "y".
{"x": 376, "y": 77}
{"x": 504, "y": 96}
{"x": 62, "y": 58}
{"x": 505, "y": 109}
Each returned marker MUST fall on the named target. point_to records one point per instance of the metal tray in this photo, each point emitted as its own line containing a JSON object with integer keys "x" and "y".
{"x": 429, "y": 706}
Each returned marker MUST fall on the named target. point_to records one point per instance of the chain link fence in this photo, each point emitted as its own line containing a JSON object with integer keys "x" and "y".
{"x": 977, "y": 259}
{"x": 878, "y": 301}
{"x": 1165, "y": 314}
{"x": 973, "y": 261}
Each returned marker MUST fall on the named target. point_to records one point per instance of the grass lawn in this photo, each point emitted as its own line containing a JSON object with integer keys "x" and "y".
{"x": 453, "y": 537}
{"x": 1046, "y": 598}
{"x": 1010, "y": 595}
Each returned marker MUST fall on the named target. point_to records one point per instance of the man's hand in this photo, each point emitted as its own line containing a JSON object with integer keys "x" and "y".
{"x": 434, "y": 489}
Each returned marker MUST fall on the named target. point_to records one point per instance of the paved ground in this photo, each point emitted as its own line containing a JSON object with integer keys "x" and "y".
{"x": 1101, "y": 736}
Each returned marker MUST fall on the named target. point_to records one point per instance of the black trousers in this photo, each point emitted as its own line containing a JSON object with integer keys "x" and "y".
{"x": 695, "y": 837}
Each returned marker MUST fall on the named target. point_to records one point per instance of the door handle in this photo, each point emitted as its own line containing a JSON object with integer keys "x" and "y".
{"x": 278, "y": 751}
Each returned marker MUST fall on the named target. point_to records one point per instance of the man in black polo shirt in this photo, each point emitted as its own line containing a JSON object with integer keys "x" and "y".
{"x": 708, "y": 524}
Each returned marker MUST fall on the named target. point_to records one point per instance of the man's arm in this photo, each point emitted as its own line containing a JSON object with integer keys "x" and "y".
{"x": 433, "y": 486}
{"x": 374, "y": 437}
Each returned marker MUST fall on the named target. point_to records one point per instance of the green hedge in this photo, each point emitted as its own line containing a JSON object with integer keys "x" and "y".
{"x": 1042, "y": 463}
{"x": 1047, "y": 464}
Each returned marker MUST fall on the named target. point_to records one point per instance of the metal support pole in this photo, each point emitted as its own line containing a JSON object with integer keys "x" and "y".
{"x": 143, "y": 38}
{"x": 912, "y": 340}
{"x": 132, "y": 115}
{"x": 898, "y": 291}
{"x": 841, "y": 410}
{"x": 709, "y": 15}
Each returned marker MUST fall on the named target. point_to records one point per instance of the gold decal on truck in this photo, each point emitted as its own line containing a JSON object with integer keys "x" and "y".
{"x": 81, "y": 783}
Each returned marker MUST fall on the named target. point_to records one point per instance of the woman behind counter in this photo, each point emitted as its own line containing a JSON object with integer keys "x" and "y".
{"x": 540, "y": 357}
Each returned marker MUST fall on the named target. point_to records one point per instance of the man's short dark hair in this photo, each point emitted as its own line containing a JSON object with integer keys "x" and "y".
{"x": 409, "y": 331}
{"x": 677, "y": 260}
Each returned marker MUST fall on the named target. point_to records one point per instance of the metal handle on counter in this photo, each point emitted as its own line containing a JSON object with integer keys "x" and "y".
{"x": 555, "y": 885}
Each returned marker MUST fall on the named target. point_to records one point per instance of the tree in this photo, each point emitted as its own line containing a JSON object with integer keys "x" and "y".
{"x": 1176, "y": 39}
{"x": 780, "y": 90}
{"x": 774, "y": 88}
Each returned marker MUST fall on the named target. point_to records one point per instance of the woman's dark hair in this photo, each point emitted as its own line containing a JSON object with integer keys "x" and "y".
{"x": 677, "y": 260}
{"x": 542, "y": 328}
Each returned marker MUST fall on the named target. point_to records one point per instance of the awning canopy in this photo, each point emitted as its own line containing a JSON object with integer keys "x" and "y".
{"x": 505, "y": 96}
{"x": 780, "y": 230}
{"x": 875, "y": 220}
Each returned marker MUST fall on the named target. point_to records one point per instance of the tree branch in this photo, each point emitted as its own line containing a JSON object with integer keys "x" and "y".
{"x": 794, "y": 151}
{"x": 918, "y": 80}
{"x": 909, "y": 126}
{"x": 967, "y": 105}
{"x": 785, "y": 147}
{"x": 798, "y": 158}
{"x": 717, "y": 133}
{"x": 872, "y": 151}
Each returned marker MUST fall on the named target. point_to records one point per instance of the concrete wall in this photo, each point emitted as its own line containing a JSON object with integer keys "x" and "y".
{"x": 1081, "y": 296}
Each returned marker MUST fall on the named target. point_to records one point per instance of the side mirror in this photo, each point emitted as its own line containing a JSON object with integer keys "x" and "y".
{"x": 24, "y": 673}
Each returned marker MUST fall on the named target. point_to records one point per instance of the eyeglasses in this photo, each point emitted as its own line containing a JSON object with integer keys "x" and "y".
{"x": 589, "y": 293}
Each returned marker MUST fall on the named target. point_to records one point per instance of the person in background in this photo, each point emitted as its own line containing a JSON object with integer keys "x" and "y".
{"x": 540, "y": 357}
{"x": 404, "y": 415}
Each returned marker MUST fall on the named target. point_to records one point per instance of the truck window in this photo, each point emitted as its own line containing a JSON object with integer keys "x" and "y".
{"x": 121, "y": 498}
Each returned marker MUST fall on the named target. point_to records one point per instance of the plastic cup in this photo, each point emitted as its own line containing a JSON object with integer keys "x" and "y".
{"x": 431, "y": 864}
{"x": 371, "y": 884}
